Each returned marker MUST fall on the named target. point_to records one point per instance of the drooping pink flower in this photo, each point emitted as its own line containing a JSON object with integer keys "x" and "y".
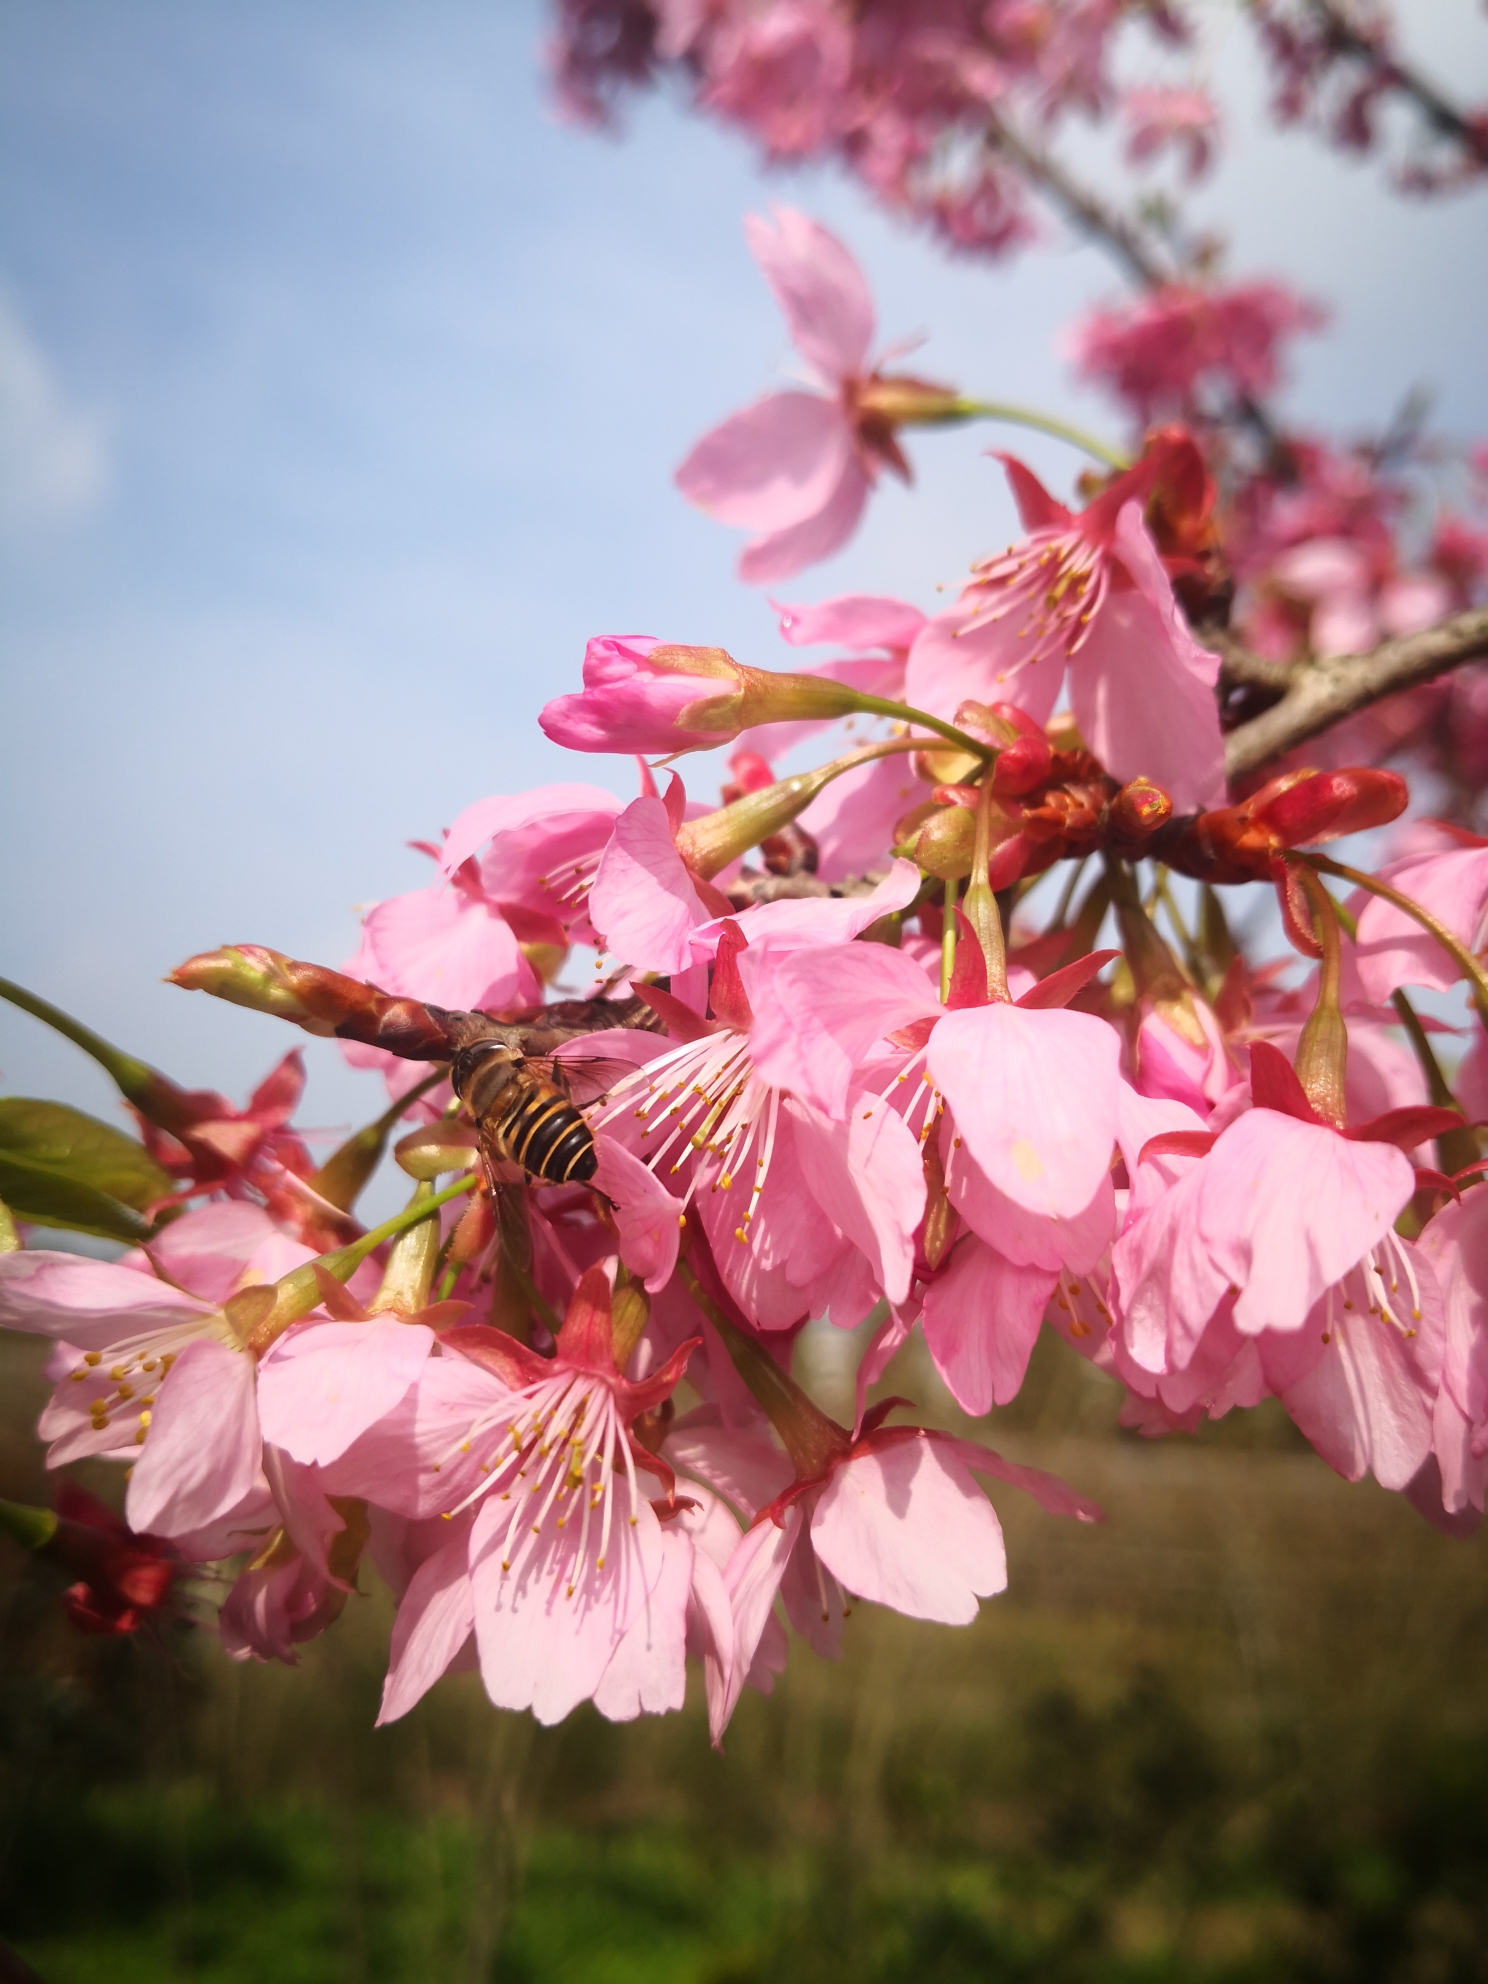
{"x": 1085, "y": 594}
{"x": 1447, "y": 874}
{"x": 894, "y": 1517}
{"x": 564, "y": 1550}
{"x": 796, "y": 467}
{"x": 1455, "y": 1243}
{"x": 302, "y": 1569}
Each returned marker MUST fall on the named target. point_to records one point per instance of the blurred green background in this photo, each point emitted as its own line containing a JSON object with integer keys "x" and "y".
{"x": 1239, "y": 1732}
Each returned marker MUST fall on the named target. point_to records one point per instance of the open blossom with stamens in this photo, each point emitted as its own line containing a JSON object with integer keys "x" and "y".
{"x": 1085, "y": 593}
{"x": 556, "y": 1553}
{"x": 893, "y": 1516}
{"x": 149, "y": 1368}
{"x": 535, "y": 853}
{"x": 805, "y": 1213}
{"x": 1270, "y": 1265}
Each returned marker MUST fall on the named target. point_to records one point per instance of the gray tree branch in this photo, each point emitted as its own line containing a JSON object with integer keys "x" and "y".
{"x": 1321, "y": 693}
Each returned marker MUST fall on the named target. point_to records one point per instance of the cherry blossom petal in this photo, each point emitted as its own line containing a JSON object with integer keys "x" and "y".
{"x": 1287, "y": 1207}
{"x": 643, "y": 901}
{"x": 1034, "y": 1096}
{"x": 784, "y": 552}
{"x": 819, "y": 286}
{"x": 772, "y": 467}
{"x": 905, "y": 1525}
{"x": 446, "y": 945}
{"x": 645, "y": 1213}
{"x": 202, "y": 1454}
{"x": 324, "y": 1384}
{"x": 1141, "y": 687}
{"x": 544, "y": 1644}
{"x": 92, "y": 1304}
{"x": 647, "y": 1672}
{"x": 434, "y": 1621}
{"x": 819, "y": 1012}
{"x": 981, "y": 1319}
{"x": 866, "y": 1174}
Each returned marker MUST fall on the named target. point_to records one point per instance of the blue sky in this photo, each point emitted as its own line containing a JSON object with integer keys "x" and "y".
{"x": 340, "y": 388}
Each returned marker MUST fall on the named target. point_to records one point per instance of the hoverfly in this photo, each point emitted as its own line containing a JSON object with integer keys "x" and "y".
{"x": 522, "y": 1099}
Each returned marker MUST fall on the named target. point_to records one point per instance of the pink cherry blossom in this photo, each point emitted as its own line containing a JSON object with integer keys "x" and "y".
{"x": 1177, "y": 117}
{"x": 1084, "y": 594}
{"x": 1448, "y": 877}
{"x": 797, "y": 467}
{"x": 564, "y": 1550}
{"x": 541, "y": 849}
{"x": 1162, "y": 350}
{"x": 895, "y": 1518}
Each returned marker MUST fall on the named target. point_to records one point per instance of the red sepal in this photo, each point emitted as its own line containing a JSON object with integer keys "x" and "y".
{"x": 1178, "y": 1143}
{"x": 729, "y": 1000}
{"x": 969, "y": 972}
{"x": 587, "y": 1338}
{"x": 915, "y": 1035}
{"x": 1274, "y": 1084}
{"x": 336, "y": 1298}
{"x": 1062, "y": 985}
{"x": 512, "y": 1362}
{"x": 875, "y": 1416}
{"x": 682, "y": 1023}
{"x": 1296, "y": 911}
{"x": 1436, "y": 1181}
{"x": 1406, "y": 1128}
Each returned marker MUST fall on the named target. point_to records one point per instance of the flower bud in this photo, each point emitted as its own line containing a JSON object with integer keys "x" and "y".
{"x": 709, "y": 844}
{"x": 1135, "y": 814}
{"x": 645, "y": 695}
{"x": 436, "y": 1147}
{"x": 248, "y": 975}
{"x": 940, "y": 840}
{"x": 1302, "y": 808}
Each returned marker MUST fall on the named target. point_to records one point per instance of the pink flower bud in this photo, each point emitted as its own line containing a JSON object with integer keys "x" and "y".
{"x": 645, "y": 695}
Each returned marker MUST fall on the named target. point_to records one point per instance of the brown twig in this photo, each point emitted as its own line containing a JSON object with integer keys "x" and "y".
{"x": 1439, "y": 112}
{"x": 1321, "y": 693}
{"x": 1091, "y": 215}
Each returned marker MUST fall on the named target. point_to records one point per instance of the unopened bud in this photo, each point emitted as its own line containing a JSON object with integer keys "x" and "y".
{"x": 248, "y": 975}
{"x": 1135, "y": 815}
{"x": 437, "y": 1147}
{"x": 940, "y": 840}
{"x": 1303, "y": 808}
{"x": 409, "y": 1274}
{"x": 630, "y": 1311}
{"x": 708, "y": 845}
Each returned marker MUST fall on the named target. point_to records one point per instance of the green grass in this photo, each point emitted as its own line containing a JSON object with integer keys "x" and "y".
{"x": 1237, "y": 1736}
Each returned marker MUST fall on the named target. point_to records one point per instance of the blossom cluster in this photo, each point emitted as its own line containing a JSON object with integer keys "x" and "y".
{"x": 844, "y": 1060}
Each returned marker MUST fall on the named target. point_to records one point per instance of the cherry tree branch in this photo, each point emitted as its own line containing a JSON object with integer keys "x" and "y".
{"x": 1123, "y": 238}
{"x": 1440, "y": 113}
{"x": 1319, "y": 694}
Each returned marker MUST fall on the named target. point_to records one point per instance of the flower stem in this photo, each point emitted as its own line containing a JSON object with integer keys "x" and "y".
{"x": 907, "y": 713}
{"x": 947, "y": 940}
{"x": 1043, "y": 423}
{"x": 1458, "y": 1148}
{"x": 1455, "y": 949}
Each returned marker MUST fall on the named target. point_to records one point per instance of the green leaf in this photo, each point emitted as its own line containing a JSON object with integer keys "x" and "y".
{"x": 47, "y": 1197}
{"x": 59, "y": 1167}
{"x": 82, "y": 1149}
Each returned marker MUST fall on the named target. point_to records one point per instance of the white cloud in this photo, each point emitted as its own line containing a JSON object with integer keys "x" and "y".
{"x": 54, "y": 464}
